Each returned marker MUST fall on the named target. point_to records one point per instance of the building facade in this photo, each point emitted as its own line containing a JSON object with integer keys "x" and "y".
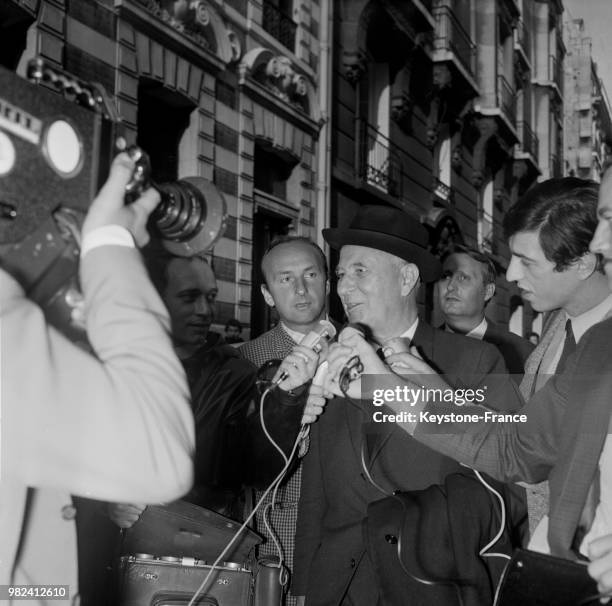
{"x": 299, "y": 111}
{"x": 448, "y": 109}
{"x": 227, "y": 91}
{"x": 588, "y": 126}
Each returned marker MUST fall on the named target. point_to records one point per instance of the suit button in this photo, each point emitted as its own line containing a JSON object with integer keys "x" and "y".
{"x": 353, "y": 562}
{"x": 391, "y": 539}
{"x": 68, "y": 512}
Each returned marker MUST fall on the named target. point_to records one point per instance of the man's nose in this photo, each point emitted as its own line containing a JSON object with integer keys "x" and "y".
{"x": 202, "y": 306}
{"x": 513, "y": 273}
{"x": 451, "y": 283}
{"x": 344, "y": 285}
{"x": 602, "y": 237}
{"x": 300, "y": 286}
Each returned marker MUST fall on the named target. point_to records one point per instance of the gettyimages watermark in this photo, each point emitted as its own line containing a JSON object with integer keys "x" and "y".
{"x": 461, "y": 403}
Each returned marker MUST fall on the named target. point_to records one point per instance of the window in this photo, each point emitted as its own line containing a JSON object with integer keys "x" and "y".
{"x": 163, "y": 119}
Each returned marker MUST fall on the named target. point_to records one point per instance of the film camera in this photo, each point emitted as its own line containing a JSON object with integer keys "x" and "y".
{"x": 55, "y": 153}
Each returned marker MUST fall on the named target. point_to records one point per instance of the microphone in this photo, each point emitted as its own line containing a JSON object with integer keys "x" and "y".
{"x": 325, "y": 331}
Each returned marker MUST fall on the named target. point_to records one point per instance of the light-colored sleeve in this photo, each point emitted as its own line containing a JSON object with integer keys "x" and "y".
{"x": 116, "y": 425}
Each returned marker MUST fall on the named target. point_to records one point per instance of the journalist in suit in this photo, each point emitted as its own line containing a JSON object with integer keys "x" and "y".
{"x": 112, "y": 425}
{"x": 382, "y": 260}
{"x": 466, "y": 287}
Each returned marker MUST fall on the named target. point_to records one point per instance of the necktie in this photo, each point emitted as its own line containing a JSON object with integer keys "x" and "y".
{"x": 569, "y": 346}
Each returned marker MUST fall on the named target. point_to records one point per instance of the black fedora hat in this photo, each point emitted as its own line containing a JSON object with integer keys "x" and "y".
{"x": 392, "y": 231}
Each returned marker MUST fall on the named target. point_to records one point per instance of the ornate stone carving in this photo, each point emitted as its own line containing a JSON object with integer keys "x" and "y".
{"x": 277, "y": 74}
{"x": 354, "y": 66}
{"x": 401, "y": 108}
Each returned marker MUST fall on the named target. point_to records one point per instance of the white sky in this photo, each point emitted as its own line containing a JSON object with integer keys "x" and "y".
{"x": 597, "y": 15}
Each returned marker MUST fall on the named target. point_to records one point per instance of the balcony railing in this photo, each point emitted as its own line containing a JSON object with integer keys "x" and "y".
{"x": 379, "y": 161}
{"x": 451, "y": 36}
{"x": 556, "y": 169}
{"x": 529, "y": 140}
{"x": 555, "y": 72}
{"x": 279, "y": 25}
{"x": 522, "y": 38}
{"x": 442, "y": 191}
{"x": 485, "y": 232}
{"x": 506, "y": 99}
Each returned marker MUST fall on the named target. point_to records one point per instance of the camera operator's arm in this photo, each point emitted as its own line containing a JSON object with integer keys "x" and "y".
{"x": 117, "y": 426}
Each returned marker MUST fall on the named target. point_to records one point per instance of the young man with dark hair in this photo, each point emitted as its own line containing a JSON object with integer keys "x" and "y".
{"x": 465, "y": 288}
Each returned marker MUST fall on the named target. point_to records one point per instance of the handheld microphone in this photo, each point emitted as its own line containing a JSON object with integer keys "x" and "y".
{"x": 325, "y": 331}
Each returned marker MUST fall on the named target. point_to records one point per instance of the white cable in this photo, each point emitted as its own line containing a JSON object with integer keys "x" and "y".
{"x": 274, "y": 484}
{"x": 501, "y": 527}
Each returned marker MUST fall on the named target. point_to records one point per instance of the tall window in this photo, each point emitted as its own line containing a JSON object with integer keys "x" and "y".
{"x": 485, "y": 236}
{"x": 377, "y": 133}
{"x": 163, "y": 118}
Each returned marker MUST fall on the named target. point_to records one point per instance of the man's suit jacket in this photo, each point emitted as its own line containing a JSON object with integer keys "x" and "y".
{"x": 567, "y": 423}
{"x": 336, "y": 491}
{"x": 514, "y": 349}
{"x": 116, "y": 426}
{"x": 277, "y": 344}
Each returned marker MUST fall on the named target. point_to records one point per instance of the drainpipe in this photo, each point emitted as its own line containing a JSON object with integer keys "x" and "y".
{"x": 324, "y": 160}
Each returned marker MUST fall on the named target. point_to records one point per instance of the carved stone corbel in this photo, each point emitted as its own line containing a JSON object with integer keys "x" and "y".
{"x": 488, "y": 129}
{"x": 354, "y": 64}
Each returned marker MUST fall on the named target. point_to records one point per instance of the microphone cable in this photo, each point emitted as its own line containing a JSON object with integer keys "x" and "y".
{"x": 273, "y": 485}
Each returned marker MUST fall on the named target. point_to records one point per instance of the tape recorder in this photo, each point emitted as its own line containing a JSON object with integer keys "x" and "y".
{"x": 192, "y": 538}
{"x": 58, "y": 136}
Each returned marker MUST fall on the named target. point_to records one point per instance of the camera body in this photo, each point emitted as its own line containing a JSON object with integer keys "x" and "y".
{"x": 55, "y": 153}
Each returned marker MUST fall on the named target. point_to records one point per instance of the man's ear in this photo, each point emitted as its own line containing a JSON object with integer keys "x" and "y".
{"x": 410, "y": 278}
{"x": 587, "y": 265}
{"x": 489, "y": 291}
{"x": 327, "y": 287}
{"x": 266, "y": 295}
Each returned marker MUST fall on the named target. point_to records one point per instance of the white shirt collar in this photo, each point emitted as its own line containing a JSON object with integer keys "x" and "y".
{"x": 584, "y": 321}
{"x": 477, "y": 332}
{"x": 294, "y": 334}
{"x": 409, "y": 334}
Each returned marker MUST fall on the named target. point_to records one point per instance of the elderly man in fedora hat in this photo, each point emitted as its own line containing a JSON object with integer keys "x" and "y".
{"x": 353, "y": 461}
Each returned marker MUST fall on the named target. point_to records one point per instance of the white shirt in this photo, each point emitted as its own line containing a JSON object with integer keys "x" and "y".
{"x": 478, "y": 332}
{"x": 602, "y": 524}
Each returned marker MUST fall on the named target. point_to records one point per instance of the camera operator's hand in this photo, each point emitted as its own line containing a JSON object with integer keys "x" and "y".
{"x": 109, "y": 207}
{"x": 125, "y": 515}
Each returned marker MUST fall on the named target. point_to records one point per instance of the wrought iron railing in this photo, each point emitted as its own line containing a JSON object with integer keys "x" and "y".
{"x": 506, "y": 99}
{"x": 442, "y": 190}
{"x": 529, "y": 140}
{"x": 279, "y": 25}
{"x": 451, "y": 36}
{"x": 378, "y": 160}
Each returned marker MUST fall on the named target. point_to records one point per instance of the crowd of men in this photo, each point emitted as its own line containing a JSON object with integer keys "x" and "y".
{"x": 368, "y": 512}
